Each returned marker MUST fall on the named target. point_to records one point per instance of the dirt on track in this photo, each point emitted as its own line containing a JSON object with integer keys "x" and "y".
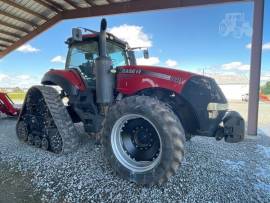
{"x": 212, "y": 171}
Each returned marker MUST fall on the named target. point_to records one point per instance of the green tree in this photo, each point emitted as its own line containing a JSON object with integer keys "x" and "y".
{"x": 266, "y": 88}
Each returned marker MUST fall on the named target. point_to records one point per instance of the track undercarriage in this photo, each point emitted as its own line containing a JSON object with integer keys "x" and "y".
{"x": 45, "y": 123}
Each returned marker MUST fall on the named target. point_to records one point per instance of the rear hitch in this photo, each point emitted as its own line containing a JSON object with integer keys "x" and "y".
{"x": 233, "y": 129}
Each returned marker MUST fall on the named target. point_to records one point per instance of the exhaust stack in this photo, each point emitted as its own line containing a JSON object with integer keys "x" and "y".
{"x": 103, "y": 65}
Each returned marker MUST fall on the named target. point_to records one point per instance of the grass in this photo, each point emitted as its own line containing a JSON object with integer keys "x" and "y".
{"x": 17, "y": 96}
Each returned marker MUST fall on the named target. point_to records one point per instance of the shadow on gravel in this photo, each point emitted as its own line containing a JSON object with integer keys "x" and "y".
{"x": 16, "y": 187}
{"x": 212, "y": 171}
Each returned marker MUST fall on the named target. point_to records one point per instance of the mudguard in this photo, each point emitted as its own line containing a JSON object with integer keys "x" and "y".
{"x": 234, "y": 127}
{"x": 69, "y": 80}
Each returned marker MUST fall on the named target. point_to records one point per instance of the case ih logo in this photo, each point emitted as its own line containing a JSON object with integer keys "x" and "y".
{"x": 153, "y": 74}
{"x": 132, "y": 71}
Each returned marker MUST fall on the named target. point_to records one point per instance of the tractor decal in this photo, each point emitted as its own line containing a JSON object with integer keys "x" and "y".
{"x": 163, "y": 76}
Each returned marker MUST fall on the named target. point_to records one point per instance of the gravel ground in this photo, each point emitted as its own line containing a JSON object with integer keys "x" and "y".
{"x": 212, "y": 171}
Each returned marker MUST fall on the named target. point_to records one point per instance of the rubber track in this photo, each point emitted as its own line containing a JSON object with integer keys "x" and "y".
{"x": 62, "y": 120}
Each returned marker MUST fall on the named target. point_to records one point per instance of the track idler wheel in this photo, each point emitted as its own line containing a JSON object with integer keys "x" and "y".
{"x": 30, "y": 139}
{"x": 23, "y": 132}
{"x": 37, "y": 141}
{"x": 44, "y": 143}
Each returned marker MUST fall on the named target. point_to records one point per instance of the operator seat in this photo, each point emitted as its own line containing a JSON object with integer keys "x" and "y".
{"x": 88, "y": 73}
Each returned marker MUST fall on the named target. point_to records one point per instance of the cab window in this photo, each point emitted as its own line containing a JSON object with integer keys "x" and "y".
{"x": 117, "y": 54}
{"x": 82, "y": 57}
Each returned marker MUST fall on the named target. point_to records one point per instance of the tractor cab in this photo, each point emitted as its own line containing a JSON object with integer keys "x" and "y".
{"x": 83, "y": 53}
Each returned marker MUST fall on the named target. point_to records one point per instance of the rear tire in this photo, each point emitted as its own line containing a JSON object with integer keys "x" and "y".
{"x": 155, "y": 125}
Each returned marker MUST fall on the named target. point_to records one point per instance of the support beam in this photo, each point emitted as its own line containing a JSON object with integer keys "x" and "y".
{"x": 255, "y": 70}
{"x": 10, "y": 34}
{"x": 53, "y": 3}
{"x": 47, "y": 5}
{"x": 14, "y": 27}
{"x": 3, "y": 45}
{"x": 71, "y": 3}
{"x": 18, "y": 18}
{"x": 34, "y": 33}
{"x": 7, "y": 40}
{"x": 18, "y": 6}
{"x": 90, "y": 2}
{"x": 137, "y": 6}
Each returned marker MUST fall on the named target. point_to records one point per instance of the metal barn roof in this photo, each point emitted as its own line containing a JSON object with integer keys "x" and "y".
{"x": 21, "y": 20}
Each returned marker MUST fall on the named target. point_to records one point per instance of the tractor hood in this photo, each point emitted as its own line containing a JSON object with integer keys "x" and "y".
{"x": 165, "y": 73}
{"x": 140, "y": 77}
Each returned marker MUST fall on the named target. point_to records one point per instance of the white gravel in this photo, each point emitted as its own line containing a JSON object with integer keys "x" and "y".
{"x": 212, "y": 172}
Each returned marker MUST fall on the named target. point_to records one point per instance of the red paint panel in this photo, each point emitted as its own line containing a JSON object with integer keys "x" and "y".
{"x": 6, "y": 106}
{"x": 85, "y": 36}
{"x": 70, "y": 75}
{"x": 130, "y": 83}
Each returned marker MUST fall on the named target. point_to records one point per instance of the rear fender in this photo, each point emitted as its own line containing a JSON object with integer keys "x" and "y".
{"x": 69, "y": 80}
{"x": 234, "y": 127}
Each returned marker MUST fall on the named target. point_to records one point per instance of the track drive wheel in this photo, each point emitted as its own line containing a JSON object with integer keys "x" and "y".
{"x": 143, "y": 140}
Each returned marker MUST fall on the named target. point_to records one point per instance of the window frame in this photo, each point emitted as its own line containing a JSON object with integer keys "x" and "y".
{"x": 122, "y": 46}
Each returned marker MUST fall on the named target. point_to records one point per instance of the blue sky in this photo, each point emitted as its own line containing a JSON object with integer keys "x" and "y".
{"x": 188, "y": 38}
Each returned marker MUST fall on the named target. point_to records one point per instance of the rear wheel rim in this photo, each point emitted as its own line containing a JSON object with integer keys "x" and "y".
{"x": 136, "y": 143}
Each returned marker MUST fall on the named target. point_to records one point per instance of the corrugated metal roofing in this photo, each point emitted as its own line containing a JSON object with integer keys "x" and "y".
{"x": 21, "y": 20}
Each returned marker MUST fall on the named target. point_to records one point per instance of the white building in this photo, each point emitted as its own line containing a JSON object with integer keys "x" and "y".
{"x": 233, "y": 86}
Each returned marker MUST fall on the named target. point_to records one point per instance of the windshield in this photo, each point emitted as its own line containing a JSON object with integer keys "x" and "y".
{"x": 85, "y": 53}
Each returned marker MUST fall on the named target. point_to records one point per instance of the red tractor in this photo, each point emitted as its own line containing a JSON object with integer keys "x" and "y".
{"x": 143, "y": 114}
{"x": 7, "y": 106}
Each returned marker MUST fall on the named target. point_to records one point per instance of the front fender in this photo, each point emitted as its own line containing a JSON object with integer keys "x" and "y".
{"x": 234, "y": 127}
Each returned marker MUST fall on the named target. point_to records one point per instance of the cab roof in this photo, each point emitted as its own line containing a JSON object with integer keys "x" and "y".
{"x": 87, "y": 37}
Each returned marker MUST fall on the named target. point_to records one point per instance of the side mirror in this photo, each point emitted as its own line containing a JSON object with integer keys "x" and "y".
{"x": 76, "y": 34}
{"x": 146, "y": 54}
